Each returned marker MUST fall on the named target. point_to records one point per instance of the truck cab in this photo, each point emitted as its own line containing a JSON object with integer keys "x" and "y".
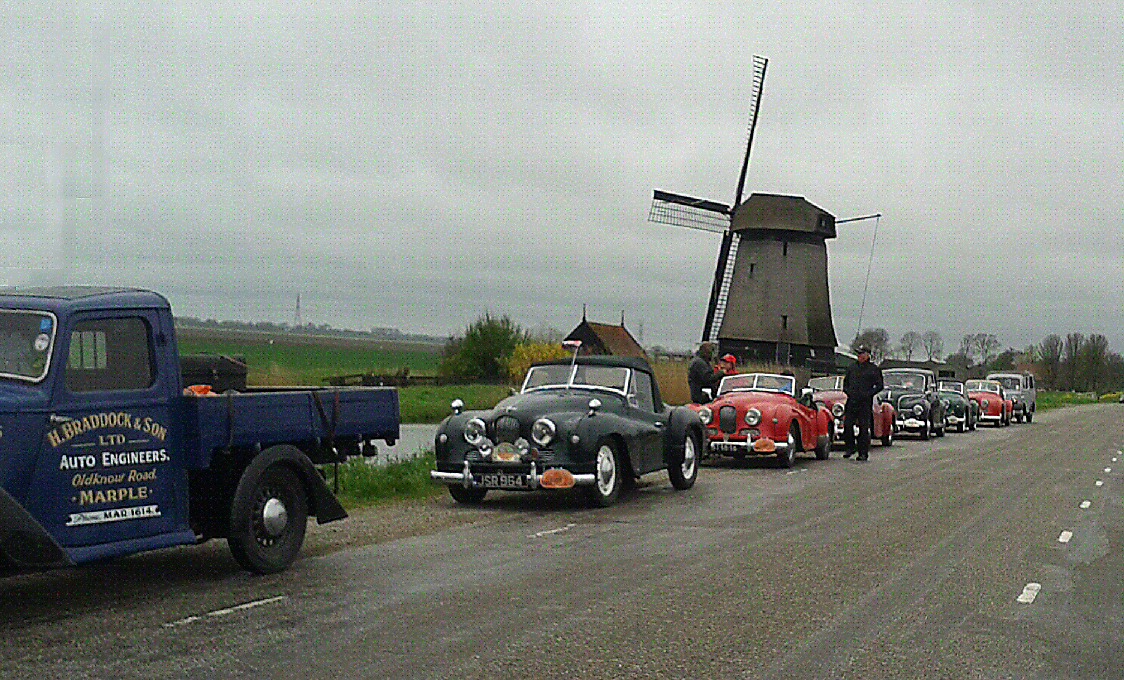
{"x": 102, "y": 454}
{"x": 1020, "y": 388}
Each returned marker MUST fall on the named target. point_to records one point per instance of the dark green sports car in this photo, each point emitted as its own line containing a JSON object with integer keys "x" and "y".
{"x": 597, "y": 423}
{"x": 959, "y": 411}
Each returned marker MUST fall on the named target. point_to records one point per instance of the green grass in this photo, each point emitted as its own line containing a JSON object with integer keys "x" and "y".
{"x": 424, "y": 404}
{"x": 363, "y": 485}
{"x": 304, "y": 360}
{"x": 1052, "y": 400}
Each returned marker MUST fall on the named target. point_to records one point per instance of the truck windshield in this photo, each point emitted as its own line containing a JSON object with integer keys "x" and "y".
{"x": 26, "y": 339}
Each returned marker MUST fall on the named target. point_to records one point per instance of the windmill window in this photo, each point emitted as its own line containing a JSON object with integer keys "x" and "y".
{"x": 784, "y": 321}
{"x": 751, "y": 268}
{"x": 784, "y": 250}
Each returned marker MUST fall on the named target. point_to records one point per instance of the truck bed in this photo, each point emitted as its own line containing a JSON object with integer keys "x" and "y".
{"x": 301, "y": 416}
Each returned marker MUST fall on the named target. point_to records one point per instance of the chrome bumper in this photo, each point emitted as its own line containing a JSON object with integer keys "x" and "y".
{"x": 465, "y": 478}
{"x": 912, "y": 424}
{"x": 955, "y": 420}
{"x": 991, "y": 419}
{"x": 744, "y": 447}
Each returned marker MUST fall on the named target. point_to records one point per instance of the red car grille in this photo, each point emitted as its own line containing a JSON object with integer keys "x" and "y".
{"x": 728, "y": 419}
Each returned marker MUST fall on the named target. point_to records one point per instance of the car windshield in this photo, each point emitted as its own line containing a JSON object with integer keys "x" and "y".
{"x": 982, "y": 386}
{"x": 26, "y": 339}
{"x": 956, "y": 387}
{"x": 555, "y": 376}
{"x": 831, "y": 382}
{"x": 1010, "y": 382}
{"x": 911, "y": 381}
{"x": 758, "y": 382}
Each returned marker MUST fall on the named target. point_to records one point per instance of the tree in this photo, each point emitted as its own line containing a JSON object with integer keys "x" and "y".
{"x": 986, "y": 347}
{"x": 910, "y": 343}
{"x": 527, "y": 353}
{"x": 877, "y": 339}
{"x": 1071, "y": 352}
{"x": 1005, "y": 360}
{"x": 1092, "y": 363}
{"x": 933, "y": 345}
{"x": 1050, "y": 359}
{"x": 480, "y": 353}
{"x": 968, "y": 347}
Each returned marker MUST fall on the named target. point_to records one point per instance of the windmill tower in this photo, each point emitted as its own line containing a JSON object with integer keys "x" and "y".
{"x": 769, "y": 300}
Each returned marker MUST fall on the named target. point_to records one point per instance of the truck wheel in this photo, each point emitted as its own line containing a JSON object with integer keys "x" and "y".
{"x": 684, "y": 473}
{"x": 467, "y": 496}
{"x": 268, "y": 519}
{"x": 1029, "y": 416}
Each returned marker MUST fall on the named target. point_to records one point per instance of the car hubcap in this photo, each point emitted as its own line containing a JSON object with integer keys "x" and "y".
{"x": 688, "y": 466}
{"x": 606, "y": 471}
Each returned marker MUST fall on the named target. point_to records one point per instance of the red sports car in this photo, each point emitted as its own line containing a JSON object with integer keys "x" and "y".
{"x": 829, "y": 392}
{"x": 760, "y": 414}
{"x": 995, "y": 407}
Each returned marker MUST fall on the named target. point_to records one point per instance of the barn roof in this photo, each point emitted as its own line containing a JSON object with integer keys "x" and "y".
{"x": 600, "y": 338}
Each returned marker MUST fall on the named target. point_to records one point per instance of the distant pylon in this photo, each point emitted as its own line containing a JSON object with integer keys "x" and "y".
{"x": 297, "y": 317}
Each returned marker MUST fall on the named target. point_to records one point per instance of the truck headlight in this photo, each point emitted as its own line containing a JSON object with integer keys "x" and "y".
{"x": 706, "y": 416}
{"x": 752, "y": 417}
{"x": 543, "y": 431}
{"x": 837, "y": 410}
{"x": 918, "y": 410}
{"x": 474, "y": 431}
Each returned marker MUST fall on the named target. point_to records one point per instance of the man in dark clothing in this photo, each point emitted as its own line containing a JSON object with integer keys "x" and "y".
{"x": 861, "y": 383}
{"x": 701, "y": 373}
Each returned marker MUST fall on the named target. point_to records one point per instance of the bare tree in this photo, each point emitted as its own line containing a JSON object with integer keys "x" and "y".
{"x": 1050, "y": 359}
{"x": 877, "y": 339}
{"x": 910, "y": 343}
{"x": 1071, "y": 352}
{"x": 933, "y": 345}
{"x": 968, "y": 346}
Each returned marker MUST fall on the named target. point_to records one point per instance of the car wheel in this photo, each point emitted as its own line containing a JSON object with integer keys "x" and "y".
{"x": 470, "y": 496}
{"x": 823, "y": 448}
{"x": 787, "y": 458}
{"x": 924, "y": 434}
{"x": 1029, "y": 416}
{"x": 607, "y": 476}
{"x": 684, "y": 474}
{"x": 939, "y": 431}
{"x": 888, "y": 438}
{"x": 1019, "y": 417}
{"x": 268, "y": 519}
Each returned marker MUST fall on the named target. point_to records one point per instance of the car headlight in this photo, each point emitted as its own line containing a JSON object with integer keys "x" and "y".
{"x": 946, "y": 403}
{"x": 752, "y": 417}
{"x": 542, "y": 432}
{"x": 706, "y": 416}
{"x": 837, "y": 410}
{"x": 918, "y": 410}
{"x": 985, "y": 403}
{"x": 474, "y": 431}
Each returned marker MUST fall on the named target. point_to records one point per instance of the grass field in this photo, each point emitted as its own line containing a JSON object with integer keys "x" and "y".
{"x": 1052, "y": 400}
{"x": 286, "y": 359}
{"x": 424, "y": 404}
{"x": 361, "y": 484}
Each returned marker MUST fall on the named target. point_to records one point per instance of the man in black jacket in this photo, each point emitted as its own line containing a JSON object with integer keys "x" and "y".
{"x": 701, "y": 373}
{"x": 862, "y": 381}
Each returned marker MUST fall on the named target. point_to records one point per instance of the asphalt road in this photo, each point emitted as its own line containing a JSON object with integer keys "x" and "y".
{"x": 940, "y": 559}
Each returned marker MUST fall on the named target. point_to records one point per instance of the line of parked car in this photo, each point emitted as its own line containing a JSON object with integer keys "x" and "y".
{"x": 599, "y": 424}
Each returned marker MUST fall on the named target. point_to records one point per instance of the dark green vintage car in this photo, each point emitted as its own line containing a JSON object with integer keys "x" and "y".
{"x": 597, "y": 423}
{"x": 959, "y": 411}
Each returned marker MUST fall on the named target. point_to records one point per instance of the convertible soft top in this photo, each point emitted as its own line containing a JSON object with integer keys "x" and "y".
{"x": 597, "y": 360}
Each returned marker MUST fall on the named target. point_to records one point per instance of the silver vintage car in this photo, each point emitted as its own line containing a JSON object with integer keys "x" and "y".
{"x": 1020, "y": 389}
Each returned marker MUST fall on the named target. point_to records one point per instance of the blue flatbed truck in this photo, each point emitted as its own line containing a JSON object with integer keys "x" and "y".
{"x": 103, "y": 453}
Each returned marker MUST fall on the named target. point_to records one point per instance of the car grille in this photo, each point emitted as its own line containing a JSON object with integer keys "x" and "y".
{"x": 728, "y": 419}
{"x": 507, "y": 429}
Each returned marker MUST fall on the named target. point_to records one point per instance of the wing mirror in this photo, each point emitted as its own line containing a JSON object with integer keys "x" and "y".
{"x": 457, "y": 406}
{"x": 594, "y": 405}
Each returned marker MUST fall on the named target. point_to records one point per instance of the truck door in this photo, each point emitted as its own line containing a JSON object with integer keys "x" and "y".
{"x": 109, "y": 467}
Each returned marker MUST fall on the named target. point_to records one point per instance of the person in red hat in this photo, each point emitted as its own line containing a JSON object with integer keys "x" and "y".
{"x": 727, "y": 365}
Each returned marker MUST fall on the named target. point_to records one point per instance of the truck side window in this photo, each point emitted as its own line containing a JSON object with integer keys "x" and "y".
{"x": 110, "y": 354}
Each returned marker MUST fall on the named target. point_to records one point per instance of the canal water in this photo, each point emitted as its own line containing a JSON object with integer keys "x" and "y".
{"x": 414, "y": 440}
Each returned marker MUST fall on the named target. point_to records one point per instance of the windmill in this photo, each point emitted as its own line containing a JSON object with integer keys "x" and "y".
{"x": 697, "y": 213}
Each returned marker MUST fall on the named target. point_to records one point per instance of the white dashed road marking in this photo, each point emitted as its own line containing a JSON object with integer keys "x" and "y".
{"x": 1029, "y": 593}
{"x": 1065, "y": 536}
{"x": 548, "y": 532}
{"x": 1085, "y": 504}
{"x": 223, "y": 612}
{"x": 1100, "y": 483}
{"x": 1113, "y": 460}
{"x": 1108, "y": 469}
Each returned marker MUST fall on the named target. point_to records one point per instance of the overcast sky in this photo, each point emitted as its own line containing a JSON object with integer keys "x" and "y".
{"x": 415, "y": 164}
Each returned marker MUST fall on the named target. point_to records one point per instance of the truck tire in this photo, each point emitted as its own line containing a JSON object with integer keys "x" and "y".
{"x": 268, "y": 519}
